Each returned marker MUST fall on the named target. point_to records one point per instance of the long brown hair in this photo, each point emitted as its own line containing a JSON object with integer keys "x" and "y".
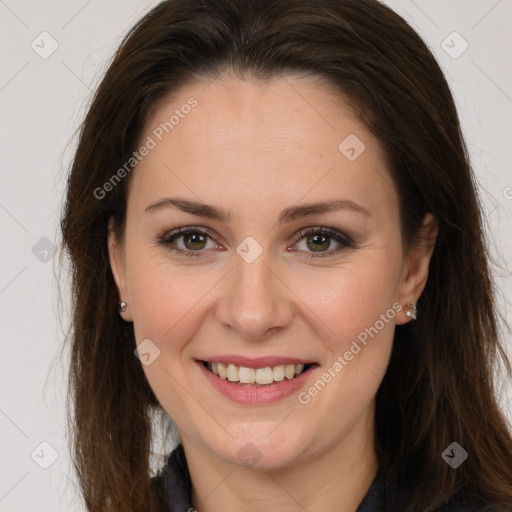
{"x": 439, "y": 385}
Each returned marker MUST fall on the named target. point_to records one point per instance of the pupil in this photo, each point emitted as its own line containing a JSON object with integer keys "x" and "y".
{"x": 322, "y": 238}
{"x": 195, "y": 241}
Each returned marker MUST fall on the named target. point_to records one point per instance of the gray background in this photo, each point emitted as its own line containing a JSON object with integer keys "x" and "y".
{"x": 42, "y": 101}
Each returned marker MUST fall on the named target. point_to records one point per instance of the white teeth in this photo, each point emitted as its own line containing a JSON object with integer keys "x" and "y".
{"x": 289, "y": 371}
{"x": 221, "y": 367}
{"x": 232, "y": 372}
{"x": 299, "y": 369}
{"x": 278, "y": 372}
{"x": 262, "y": 376}
{"x": 247, "y": 375}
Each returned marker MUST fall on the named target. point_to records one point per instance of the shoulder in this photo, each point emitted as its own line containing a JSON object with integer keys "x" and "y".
{"x": 465, "y": 502}
{"x": 471, "y": 506}
{"x": 393, "y": 497}
{"x": 172, "y": 485}
{"x": 173, "y": 488}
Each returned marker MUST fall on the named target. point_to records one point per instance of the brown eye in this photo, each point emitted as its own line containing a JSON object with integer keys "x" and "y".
{"x": 319, "y": 240}
{"x": 194, "y": 241}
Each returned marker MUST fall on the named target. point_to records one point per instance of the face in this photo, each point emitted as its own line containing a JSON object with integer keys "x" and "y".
{"x": 259, "y": 276}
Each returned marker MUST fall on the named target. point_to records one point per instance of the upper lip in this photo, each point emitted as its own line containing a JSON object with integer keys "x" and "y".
{"x": 256, "y": 362}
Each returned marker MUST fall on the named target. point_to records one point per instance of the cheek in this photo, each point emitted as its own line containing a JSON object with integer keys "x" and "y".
{"x": 359, "y": 318}
{"x": 167, "y": 305}
{"x": 166, "y": 298}
{"x": 353, "y": 296}
{"x": 356, "y": 304}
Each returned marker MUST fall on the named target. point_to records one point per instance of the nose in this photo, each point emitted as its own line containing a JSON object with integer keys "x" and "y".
{"x": 255, "y": 300}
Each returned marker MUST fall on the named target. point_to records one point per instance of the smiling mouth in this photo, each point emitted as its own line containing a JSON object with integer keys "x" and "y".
{"x": 257, "y": 377}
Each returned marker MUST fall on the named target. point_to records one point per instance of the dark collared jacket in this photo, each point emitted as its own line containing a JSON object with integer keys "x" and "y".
{"x": 173, "y": 487}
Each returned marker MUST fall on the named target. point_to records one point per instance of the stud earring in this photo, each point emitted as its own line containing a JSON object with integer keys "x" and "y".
{"x": 122, "y": 306}
{"x": 411, "y": 311}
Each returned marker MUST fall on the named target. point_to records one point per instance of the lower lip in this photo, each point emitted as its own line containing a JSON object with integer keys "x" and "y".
{"x": 256, "y": 395}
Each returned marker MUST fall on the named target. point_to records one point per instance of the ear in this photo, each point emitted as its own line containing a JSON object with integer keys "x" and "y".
{"x": 118, "y": 267}
{"x": 415, "y": 268}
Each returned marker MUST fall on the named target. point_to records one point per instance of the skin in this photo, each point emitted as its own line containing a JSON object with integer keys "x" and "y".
{"x": 255, "y": 150}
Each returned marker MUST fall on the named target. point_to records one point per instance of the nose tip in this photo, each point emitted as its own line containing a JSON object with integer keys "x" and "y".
{"x": 255, "y": 303}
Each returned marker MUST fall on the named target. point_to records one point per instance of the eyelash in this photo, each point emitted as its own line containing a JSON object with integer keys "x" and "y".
{"x": 167, "y": 239}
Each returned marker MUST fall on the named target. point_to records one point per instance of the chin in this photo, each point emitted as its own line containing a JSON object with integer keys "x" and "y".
{"x": 262, "y": 451}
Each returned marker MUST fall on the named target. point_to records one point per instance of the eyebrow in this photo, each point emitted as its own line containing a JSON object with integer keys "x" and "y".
{"x": 288, "y": 215}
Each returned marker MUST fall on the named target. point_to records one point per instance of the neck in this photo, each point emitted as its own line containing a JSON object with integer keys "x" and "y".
{"x": 332, "y": 478}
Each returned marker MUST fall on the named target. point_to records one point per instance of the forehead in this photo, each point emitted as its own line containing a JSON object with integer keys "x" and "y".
{"x": 281, "y": 140}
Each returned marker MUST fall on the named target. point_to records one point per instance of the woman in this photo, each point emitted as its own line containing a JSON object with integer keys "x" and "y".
{"x": 276, "y": 241}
